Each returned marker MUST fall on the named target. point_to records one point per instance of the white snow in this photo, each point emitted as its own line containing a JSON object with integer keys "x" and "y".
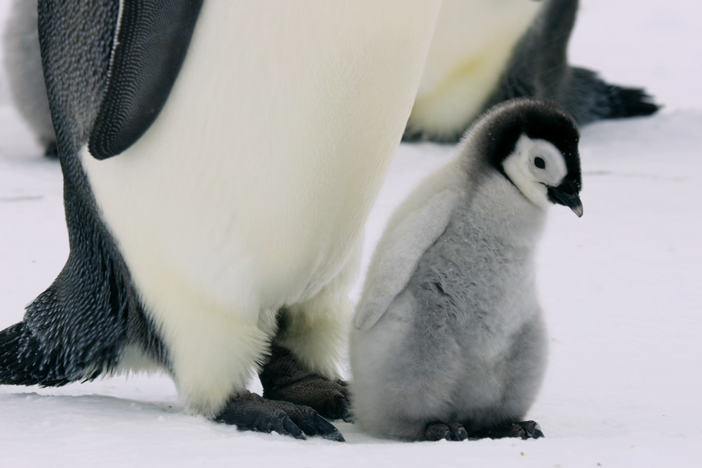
{"x": 621, "y": 288}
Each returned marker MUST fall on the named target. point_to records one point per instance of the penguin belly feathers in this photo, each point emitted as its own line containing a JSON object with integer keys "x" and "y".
{"x": 449, "y": 340}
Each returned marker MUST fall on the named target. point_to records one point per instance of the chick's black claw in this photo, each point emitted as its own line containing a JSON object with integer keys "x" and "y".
{"x": 454, "y": 432}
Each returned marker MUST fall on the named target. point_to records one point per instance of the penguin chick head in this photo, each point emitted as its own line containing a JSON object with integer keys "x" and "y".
{"x": 535, "y": 145}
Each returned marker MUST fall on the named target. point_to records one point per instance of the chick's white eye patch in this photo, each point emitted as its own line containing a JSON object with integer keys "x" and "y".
{"x": 534, "y": 165}
{"x": 547, "y": 163}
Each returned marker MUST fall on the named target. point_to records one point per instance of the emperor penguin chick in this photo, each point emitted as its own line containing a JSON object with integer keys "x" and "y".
{"x": 449, "y": 339}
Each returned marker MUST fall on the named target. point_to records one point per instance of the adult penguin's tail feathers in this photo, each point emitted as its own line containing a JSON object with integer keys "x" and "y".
{"x": 59, "y": 341}
{"x": 24, "y": 361}
{"x": 601, "y": 100}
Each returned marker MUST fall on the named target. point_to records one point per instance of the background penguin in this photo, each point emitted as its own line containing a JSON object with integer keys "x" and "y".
{"x": 22, "y": 60}
{"x": 216, "y": 187}
{"x": 483, "y": 52}
{"x": 449, "y": 340}
{"x": 486, "y": 52}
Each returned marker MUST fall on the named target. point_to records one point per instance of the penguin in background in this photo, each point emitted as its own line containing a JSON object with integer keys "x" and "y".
{"x": 216, "y": 188}
{"x": 449, "y": 341}
{"x": 22, "y": 61}
{"x": 487, "y": 52}
{"x": 483, "y": 52}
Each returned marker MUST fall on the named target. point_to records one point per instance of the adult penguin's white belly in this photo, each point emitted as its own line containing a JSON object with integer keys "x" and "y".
{"x": 251, "y": 189}
{"x": 472, "y": 45}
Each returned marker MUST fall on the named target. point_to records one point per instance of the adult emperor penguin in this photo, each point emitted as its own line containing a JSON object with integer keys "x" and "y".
{"x": 486, "y": 52}
{"x": 220, "y": 159}
{"x": 22, "y": 60}
{"x": 449, "y": 340}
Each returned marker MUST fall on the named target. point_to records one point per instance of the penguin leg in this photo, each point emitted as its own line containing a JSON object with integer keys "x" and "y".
{"x": 212, "y": 356}
{"x": 284, "y": 378}
{"x": 213, "y": 353}
{"x": 309, "y": 344}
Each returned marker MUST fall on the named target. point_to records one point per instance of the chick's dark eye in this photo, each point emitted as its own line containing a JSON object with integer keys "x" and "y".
{"x": 539, "y": 162}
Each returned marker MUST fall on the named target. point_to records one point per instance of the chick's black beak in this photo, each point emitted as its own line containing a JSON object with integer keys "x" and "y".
{"x": 567, "y": 194}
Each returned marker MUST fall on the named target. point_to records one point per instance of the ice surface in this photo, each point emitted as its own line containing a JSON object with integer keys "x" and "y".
{"x": 621, "y": 288}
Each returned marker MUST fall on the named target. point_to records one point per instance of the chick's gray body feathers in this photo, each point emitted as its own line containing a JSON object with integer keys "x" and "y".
{"x": 449, "y": 327}
{"x": 452, "y": 354}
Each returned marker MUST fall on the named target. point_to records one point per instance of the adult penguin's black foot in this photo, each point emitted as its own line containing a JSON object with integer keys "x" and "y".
{"x": 285, "y": 378}
{"x": 250, "y": 412}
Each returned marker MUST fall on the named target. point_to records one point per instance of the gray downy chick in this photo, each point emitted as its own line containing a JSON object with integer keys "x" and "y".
{"x": 449, "y": 340}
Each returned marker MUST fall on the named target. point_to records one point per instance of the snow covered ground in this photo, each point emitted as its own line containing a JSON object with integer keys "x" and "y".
{"x": 621, "y": 288}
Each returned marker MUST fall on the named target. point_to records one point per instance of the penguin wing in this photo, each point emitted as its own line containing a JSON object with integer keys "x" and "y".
{"x": 399, "y": 253}
{"x": 125, "y": 55}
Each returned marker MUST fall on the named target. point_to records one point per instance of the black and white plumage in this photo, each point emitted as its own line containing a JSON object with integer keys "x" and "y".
{"x": 219, "y": 160}
{"x": 485, "y": 52}
{"x": 449, "y": 339}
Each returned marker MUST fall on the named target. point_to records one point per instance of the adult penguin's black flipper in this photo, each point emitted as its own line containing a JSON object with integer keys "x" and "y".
{"x": 150, "y": 50}
{"x": 127, "y": 55}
